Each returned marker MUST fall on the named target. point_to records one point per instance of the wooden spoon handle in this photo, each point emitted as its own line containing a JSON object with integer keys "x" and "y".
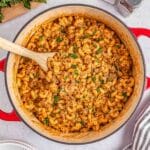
{"x": 17, "y": 49}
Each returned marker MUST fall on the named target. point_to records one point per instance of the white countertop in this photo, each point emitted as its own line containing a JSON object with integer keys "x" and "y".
{"x": 18, "y": 130}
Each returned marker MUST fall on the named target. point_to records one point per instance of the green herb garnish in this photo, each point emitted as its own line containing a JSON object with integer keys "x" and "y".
{"x": 96, "y": 59}
{"x": 9, "y": 3}
{"x": 94, "y": 45}
{"x": 41, "y": 38}
{"x": 76, "y": 73}
{"x": 94, "y": 32}
{"x": 56, "y": 99}
{"x": 99, "y": 39}
{"x": 86, "y": 36}
{"x": 59, "y": 90}
{"x": 98, "y": 90}
{"x": 117, "y": 46}
{"x": 26, "y": 4}
{"x": 94, "y": 79}
{"x": 59, "y": 39}
{"x": 99, "y": 50}
{"x": 124, "y": 94}
{"x": 75, "y": 47}
{"x": 82, "y": 122}
{"x": 73, "y": 55}
{"x": 65, "y": 78}
{"x": 101, "y": 81}
{"x": 74, "y": 66}
{"x": 46, "y": 121}
{"x": 1, "y": 16}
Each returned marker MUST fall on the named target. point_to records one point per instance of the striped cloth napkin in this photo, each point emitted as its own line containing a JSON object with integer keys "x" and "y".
{"x": 141, "y": 133}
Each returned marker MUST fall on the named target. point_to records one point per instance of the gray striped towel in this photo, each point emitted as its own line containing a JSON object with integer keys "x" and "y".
{"x": 141, "y": 133}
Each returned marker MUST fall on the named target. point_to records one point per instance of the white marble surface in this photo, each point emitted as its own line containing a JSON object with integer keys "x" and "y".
{"x": 18, "y": 130}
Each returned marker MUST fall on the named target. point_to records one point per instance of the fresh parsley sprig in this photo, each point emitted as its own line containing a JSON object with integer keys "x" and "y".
{"x": 9, "y": 3}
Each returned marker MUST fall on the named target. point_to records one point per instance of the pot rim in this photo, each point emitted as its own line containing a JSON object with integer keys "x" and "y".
{"x": 143, "y": 64}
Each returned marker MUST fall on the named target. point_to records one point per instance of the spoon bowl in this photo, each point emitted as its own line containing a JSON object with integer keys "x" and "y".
{"x": 40, "y": 58}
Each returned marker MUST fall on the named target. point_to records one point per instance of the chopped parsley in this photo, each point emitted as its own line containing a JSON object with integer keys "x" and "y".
{"x": 73, "y": 55}
{"x": 86, "y": 36}
{"x": 94, "y": 79}
{"x": 82, "y": 122}
{"x": 76, "y": 73}
{"x": 124, "y": 94}
{"x": 1, "y": 16}
{"x": 118, "y": 46}
{"x": 96, "y": 59}
{"x": 94, "y": 32}
{"x": 99, "y": 39}
{"x": 59, "y": 39}
{"x": 59, "y": 90}
{"x": 41, "y": 38}
{"x": 75, "y": 47}
{"x": 65, "y": 78}
{"x": 101, "y": 81}
{"x": 46, "y": 121}
{"x": 99, "y": 50}
{"x": 98, "y": 90}
{"x": 94, "y": 45}
{"x": 56, "y": 99}
{"x": 74, "y": 66}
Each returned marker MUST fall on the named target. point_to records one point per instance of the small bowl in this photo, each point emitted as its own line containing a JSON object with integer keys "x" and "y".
{"x": 125, "y": 35}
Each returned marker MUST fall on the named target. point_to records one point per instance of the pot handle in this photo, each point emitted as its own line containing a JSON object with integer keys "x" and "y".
{"x": 2, "y": 64}
{"x": 142, "y": 32}
{"x": 12, "y": 116}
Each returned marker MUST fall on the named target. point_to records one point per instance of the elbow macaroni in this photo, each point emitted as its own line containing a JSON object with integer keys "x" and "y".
{"x": 88, "y": 82}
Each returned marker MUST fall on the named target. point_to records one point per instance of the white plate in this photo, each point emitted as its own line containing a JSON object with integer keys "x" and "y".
{"x": 14, "y": 145}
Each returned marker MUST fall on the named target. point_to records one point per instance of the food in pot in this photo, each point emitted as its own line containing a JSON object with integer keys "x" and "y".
{"x": 89, "y": 80}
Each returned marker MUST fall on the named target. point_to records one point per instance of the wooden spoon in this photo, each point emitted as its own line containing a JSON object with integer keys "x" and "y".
{"x": 40, "y": 58}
